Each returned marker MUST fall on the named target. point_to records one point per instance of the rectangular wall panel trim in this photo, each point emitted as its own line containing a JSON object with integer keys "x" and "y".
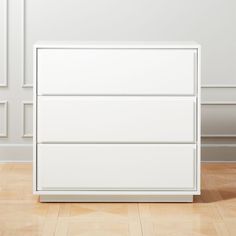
{"x": 24, "y": 120}
{"x": 24, "y": 82}
{"x": 4, "y": 132}
{"x": 3, "y": 43}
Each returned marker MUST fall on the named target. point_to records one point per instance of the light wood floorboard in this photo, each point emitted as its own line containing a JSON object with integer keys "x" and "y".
{"x": 213, "y": 213}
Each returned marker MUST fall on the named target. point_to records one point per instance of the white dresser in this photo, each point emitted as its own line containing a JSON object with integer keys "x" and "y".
{"x": 117, "y": 121}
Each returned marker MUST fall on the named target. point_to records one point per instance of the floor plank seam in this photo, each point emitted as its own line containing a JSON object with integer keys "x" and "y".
{"x": 140, "y": 220}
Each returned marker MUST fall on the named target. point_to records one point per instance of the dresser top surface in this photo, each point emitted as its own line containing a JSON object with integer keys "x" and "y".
{"x": 118, "y": 44}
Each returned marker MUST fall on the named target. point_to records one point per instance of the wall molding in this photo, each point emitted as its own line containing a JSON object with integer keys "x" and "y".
{"x": 23, "y": 31}
{"x": 4, "y": 51}
{"x": 219, "y": 103}
{"x": 218, "y": 86}
{"x": 209, "y": 145}
{"x": 219, "y": 93}
{"x": 218, "y": 152}
{"x": 218, "y": 136}
{"x": 4, "y": 134}
{"x": 16, "y": 153}
{"x": 24, "y": 104}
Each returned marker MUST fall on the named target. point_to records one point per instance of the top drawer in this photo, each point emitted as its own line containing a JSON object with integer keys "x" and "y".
{"x": 116, "y": 71}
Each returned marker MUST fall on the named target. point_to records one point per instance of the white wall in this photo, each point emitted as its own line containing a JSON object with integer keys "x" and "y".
{"x": 209, "y": 22}
{"x": 15, "y": 117}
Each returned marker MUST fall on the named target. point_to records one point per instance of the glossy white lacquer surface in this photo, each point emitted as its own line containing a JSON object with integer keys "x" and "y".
{"x": 116, "y": 119}
{"x": 116, "y": 71}
{"x": 116, "y": 166}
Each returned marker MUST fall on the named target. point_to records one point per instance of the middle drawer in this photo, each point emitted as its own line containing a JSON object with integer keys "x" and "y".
{"x": 108, "y": 119}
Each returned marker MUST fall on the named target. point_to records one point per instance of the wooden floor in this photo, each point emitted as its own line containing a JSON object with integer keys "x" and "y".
{"x": 212, "y": 213}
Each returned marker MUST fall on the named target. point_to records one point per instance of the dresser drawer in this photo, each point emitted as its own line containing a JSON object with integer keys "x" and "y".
{"x": 116, "y": 71}
{"x": 116, "y": 166}
{"x": 116, "y": 119}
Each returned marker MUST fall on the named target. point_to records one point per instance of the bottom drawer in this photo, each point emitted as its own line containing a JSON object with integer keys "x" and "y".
{"x": 116, "y": 167}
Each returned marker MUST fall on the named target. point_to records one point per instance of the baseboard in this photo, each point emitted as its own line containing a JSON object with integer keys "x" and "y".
{"x": 16, "y": 153}
{"x": 218, "y": 153}
{"x": 210, "y": 153}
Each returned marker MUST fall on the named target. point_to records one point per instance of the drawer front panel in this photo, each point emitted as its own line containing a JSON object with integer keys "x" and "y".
{"x": 116, "y": 71}
{"x": 116, "y": 166}
{"x": 116, "y": 119}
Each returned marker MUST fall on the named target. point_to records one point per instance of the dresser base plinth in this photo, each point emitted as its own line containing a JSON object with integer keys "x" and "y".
{"x": 116, "y": 198}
